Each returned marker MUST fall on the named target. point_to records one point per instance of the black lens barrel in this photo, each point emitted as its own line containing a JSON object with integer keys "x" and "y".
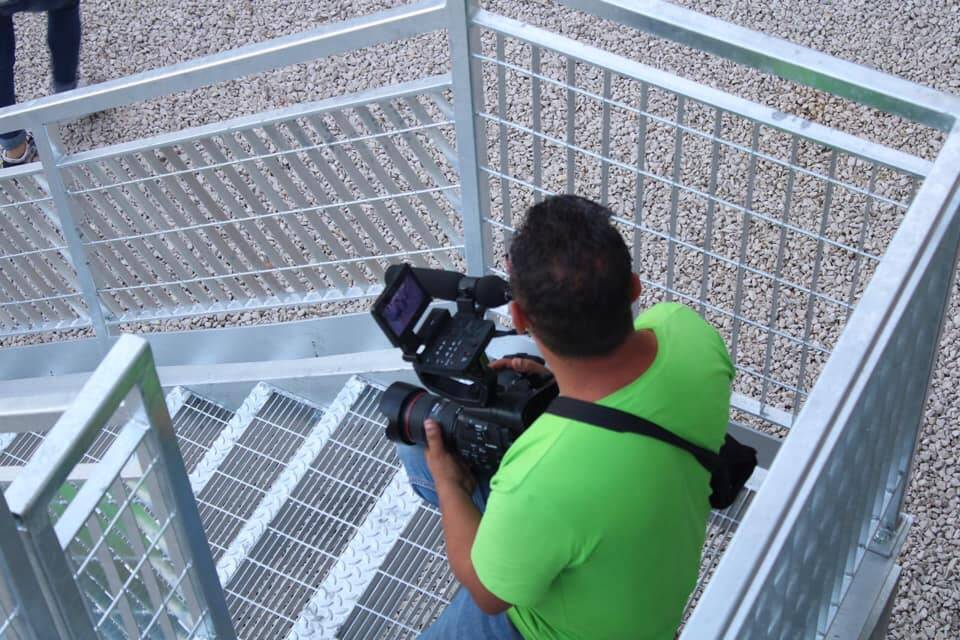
{"x": 394, "y": 404}
{"x": 407, "y": 407}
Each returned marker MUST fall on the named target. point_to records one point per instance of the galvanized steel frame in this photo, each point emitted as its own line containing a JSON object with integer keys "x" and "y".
{"x": 24, "y": 610}
{"x": 128, "y": 367}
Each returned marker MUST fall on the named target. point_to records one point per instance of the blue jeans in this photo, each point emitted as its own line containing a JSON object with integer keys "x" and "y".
{"x": 462, "y": 619}
{"x": 63, "y": 38}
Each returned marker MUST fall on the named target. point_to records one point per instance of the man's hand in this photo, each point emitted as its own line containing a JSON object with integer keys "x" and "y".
{"x": 459, "y": 516}
{"x": 521, "y": 365}
{"x": 448, "y": 471}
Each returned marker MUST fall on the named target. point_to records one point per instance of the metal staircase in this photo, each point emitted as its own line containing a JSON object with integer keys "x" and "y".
{"x": 822, "y": 256}
{"x": 310, "y": 519}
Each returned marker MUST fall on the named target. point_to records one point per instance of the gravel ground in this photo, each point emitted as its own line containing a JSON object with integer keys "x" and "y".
{"x": 916, "y": 40}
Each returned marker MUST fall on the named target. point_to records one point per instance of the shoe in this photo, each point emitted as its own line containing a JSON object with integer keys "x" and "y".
{"x": 76, "y": 84}
{"x": 29, "y": 154}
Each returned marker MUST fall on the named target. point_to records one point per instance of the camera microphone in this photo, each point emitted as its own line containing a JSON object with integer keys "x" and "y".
{"x": 493, "y": 291}
{"x": 489, "y": 291}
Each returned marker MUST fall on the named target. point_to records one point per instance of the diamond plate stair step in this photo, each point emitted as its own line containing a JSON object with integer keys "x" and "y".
{"x": 337, "y": 496}
{"x": 393, "y": 580}
{"x": 315, "y": 529}
{"x": 266, "y": 558}
{"x": 390, "y": 576}
{"x": 246, "y": 458}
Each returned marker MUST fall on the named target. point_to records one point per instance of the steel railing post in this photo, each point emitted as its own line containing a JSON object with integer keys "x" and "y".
{"x": 49, "y": 565}
{"x": 891, "y": 519}
{"x": 175, "y": 489}
{"x": 46, "y": 137}
{"x": 471, "y": 141}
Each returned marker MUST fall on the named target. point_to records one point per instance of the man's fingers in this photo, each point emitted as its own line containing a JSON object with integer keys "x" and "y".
{"x": 517, "y": 364}
{"x": 434, "y": 437}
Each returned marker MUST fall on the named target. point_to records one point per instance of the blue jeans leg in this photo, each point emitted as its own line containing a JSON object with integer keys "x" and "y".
{"x": 63, "y": 38}
{"x": 422, "y": 482}
{"x": 8, "y": 96}
{"x": 462, "y": 619}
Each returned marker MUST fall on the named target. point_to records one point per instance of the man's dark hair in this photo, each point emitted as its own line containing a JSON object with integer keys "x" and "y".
{"x": 570, "y": 272}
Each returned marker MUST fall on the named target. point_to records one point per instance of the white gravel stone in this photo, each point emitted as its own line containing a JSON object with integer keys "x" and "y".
{"x": 916, "y": 40}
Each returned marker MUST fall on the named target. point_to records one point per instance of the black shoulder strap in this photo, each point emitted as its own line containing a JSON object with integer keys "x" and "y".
{"x": 623, "y": 422}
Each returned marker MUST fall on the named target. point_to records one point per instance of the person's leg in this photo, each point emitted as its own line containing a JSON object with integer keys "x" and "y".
{"x": 422, "y": 482}
{"x": 463, "y": 620}
{"x": 11, "y": 141}
{"x": 63, "y": 38}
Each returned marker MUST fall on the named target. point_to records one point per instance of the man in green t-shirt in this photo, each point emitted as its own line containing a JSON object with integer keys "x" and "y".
{"x": 584, "y": 532}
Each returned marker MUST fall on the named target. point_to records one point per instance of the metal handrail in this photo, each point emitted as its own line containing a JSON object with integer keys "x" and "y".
{"x": 702, "y": 93}
{"x": 326, "y": 40}
{"x": 781, "y": 57}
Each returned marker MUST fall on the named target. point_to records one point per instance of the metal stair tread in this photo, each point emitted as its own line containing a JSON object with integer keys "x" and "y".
{"x": 244, "y": 460}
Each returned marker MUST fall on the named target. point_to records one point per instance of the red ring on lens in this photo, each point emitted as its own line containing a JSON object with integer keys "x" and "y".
{"x": 406, "y": 415}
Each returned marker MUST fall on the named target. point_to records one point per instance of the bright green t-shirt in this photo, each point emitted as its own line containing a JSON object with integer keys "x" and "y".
{"x": 592, "y": 534}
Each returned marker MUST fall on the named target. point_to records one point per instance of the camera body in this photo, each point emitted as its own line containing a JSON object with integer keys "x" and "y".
{"x": 481, "y": 411}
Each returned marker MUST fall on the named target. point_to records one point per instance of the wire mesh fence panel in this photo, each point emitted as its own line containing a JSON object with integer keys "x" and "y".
{"x": 38, "y": 285}
{"x": 126, "y": 558}
{"x": 112, "y": 522}
{"x": 850, "y": 500}
{"x": 300, "y": 206}
{"x": 770, "y": 233}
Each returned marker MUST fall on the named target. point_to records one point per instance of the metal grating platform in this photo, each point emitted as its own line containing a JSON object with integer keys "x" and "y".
{"x": 333, "y": 559}
{"x": 21, "y": 448}
{"x": 198, "y": 423}
{"x": 410, "y": 589}
{"x": 25, "y": 444}
{"x": 254, "y": 462}
{"x": 322, "y": 514}
{"x": 720, "y": 529}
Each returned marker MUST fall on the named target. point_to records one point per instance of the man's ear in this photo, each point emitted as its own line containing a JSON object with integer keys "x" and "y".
{"x": 519, "y": 318}
{"x": 635, "y": 287}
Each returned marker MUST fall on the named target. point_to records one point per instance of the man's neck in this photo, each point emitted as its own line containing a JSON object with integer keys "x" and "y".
{"x": 591, "y": 379}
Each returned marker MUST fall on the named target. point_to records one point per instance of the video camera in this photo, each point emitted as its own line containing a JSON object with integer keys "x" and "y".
{"x": 481, "y": 411}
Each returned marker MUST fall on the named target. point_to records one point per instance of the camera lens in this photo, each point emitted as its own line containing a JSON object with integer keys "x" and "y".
{"x": 406, "y": 407}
